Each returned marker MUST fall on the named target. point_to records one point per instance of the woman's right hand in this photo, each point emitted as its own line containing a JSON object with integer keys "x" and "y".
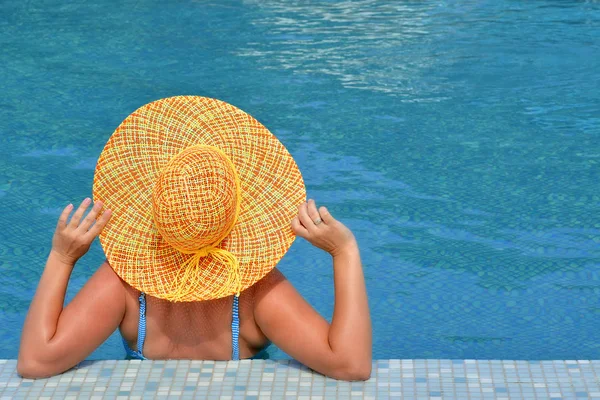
{"x": 321, "y": 229}
{"x": 73, "y": 239}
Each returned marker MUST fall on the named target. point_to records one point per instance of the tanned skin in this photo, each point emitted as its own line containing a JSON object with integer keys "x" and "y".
{"x": 56, "y": 338}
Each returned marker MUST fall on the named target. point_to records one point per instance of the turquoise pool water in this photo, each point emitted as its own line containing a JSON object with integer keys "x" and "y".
{"x": 460, "y": 140}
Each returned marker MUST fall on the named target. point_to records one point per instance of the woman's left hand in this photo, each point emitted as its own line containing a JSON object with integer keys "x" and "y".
{"x": 73, "y": 239}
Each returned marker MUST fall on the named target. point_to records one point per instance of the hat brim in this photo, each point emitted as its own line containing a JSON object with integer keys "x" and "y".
{"x": 271, "y": 183}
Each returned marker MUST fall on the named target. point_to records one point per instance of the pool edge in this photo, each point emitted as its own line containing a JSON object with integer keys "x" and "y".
{"x": 264, "y": 379}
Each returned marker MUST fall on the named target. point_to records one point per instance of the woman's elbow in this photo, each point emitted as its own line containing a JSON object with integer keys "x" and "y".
{"x": 30, "y": 368}
{"x": 355, "y": 371}
{"x": 359, "y": 372}
{"x": 27, "y": 369}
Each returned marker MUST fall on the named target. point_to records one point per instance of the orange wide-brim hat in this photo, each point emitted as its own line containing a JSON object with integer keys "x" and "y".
{"x": 202, "y": 197}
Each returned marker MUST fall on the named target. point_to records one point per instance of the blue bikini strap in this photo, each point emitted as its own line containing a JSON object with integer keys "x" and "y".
{"x": 235, "y": 329}
{"x": 142, "y": 324}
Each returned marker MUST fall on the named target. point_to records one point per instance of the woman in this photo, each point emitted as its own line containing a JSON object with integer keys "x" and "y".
{"x": 202, "y": 201}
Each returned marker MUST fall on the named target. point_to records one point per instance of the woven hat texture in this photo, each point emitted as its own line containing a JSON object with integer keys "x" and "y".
{"x": 202, "y": 197}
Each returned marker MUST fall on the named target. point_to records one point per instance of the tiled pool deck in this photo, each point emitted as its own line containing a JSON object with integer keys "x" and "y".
{"x": 270, "y": 379}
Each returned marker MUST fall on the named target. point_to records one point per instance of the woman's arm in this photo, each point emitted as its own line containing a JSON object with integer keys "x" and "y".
{"x": 55, "y": 339}
{"x": 350, "y": 331}
{"x": 341, "y": 350}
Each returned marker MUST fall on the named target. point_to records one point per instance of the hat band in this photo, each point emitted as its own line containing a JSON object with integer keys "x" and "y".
{"x": 188, "y": 280}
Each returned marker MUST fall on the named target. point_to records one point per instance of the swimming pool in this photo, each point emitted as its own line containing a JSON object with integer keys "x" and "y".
{"x": 459, "y": 140}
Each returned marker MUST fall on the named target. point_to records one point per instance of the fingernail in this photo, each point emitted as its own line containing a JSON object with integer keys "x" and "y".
{"x": 70, "y": 206}
{"x": 87, "y": 200}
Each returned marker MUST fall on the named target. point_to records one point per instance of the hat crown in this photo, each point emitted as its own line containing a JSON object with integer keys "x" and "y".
{"x": 195, "y": 198}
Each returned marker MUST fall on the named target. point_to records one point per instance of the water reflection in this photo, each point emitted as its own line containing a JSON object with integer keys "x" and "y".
{"x": 366, "y": 44}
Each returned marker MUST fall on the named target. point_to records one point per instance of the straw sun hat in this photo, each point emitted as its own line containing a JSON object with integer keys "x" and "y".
{"x": 202, "y": 197}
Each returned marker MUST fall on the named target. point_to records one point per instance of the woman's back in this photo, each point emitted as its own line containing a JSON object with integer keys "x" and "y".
{"x": 194, "y": 330}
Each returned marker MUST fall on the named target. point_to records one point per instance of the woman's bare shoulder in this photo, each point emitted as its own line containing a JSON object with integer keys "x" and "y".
{"x": 109, "y": 275}
{"x": 106, "y": 276}
{"x": 131, "y": 295}
{"x": 267, "y": 283}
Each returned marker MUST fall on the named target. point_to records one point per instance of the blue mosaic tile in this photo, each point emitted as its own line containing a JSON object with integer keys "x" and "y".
{"x": 427, "y": 379}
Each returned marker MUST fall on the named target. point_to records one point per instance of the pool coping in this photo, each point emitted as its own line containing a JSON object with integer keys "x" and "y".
{"x": 430, "y": 379}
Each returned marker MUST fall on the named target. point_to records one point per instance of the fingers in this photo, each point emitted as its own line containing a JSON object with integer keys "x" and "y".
{"x": 90, "y": 227}
{"x": 99, "y": 225}
{"x": 325, "y": 216}
{"x": 313, "y": 213}
{"x": 91, "y": 217}
{"x": 298, "y": 228}
{"x": 62, "y": 220}
{"x": 304, "y": 224}
{"x": 305, "y": 218}
{"x": 74, "y": 223}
